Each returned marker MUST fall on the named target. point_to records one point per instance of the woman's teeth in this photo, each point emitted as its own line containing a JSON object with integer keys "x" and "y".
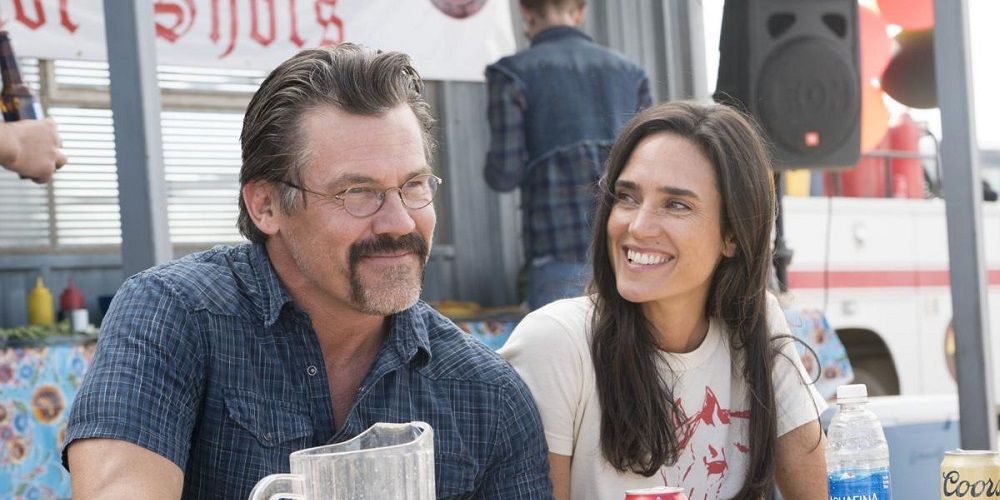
{"x": 645, "y": 258}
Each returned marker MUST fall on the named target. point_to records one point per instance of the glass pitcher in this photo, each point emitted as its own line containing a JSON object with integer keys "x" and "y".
{"x": 385, "y": 461}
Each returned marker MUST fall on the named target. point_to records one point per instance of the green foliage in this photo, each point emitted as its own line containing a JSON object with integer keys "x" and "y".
{"x": 35, "y": 332}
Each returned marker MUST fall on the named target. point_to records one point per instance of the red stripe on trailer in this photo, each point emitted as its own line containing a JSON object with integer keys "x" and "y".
{"x": 875, "y": 279}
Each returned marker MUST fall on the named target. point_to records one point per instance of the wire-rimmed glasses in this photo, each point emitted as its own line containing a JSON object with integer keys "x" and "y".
{"x": 363, "y": 201}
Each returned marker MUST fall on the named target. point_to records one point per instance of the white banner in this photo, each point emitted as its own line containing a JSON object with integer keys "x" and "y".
{"x": 447, "y": 39}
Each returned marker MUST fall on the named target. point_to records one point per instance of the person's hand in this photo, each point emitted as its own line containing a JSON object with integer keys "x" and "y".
{"x": 31, "y": 148}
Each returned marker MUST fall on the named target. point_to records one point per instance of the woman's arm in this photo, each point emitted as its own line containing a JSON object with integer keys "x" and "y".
{"x": 559, "y": 471}
{"x": 800, "y": 463}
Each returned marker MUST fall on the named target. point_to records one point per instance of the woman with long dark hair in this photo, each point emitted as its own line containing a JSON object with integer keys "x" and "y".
{"x": 674, "y": 370}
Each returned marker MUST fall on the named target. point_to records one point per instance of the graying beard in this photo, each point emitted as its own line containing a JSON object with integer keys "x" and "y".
{"x": 370, "y": 302}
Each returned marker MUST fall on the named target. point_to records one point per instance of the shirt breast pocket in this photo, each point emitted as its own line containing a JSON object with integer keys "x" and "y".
{"x": 454, "y": 476}
{"x": 272, "y": 423}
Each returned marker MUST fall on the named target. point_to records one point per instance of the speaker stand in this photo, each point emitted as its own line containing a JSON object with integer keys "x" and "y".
{"x": 782, "y": 254}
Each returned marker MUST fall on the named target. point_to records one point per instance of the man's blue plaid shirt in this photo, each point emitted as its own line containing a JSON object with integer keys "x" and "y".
{"x": 207, "y": 362}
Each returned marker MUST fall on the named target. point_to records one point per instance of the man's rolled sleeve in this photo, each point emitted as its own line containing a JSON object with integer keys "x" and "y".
{"x": 522, "y": 470}
{"x": 144, "y": 386}
{"x": 508, "y": 153}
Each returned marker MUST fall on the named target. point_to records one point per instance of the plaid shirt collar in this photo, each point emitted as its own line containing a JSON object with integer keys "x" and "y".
{"x": 407, "y": 329}
{"x": 271, "y": 298}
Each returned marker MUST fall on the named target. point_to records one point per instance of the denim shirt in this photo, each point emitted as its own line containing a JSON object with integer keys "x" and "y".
{"x": 207, "y": 362}
{"x": 554, "y": 111}
{"x": 575, "y": 90}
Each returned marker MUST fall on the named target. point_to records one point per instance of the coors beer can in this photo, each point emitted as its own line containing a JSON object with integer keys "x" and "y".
{"x": 657, "y": 493}
{"x": 970, "y": 474}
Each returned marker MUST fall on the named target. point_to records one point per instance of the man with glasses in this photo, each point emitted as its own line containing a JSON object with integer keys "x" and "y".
{"x": 213, "y": 368}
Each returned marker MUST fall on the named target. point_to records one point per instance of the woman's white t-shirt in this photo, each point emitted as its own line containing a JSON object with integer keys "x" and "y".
{"x": 550, "y": 349}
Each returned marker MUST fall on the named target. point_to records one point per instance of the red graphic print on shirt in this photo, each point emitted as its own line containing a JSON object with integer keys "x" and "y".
{"x": 702, "y": 437}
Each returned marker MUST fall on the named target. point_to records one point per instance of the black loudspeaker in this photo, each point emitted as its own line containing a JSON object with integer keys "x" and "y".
{"x": 793, "y": 65}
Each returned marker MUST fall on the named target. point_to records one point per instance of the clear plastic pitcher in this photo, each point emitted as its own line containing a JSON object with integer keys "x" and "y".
{"x": 385, "y": 461}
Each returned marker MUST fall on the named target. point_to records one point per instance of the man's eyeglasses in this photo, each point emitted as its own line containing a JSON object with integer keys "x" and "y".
{"x": 363, "y": 201}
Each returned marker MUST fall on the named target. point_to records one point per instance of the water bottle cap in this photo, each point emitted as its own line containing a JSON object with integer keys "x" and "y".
{"x": 858, "y": 392}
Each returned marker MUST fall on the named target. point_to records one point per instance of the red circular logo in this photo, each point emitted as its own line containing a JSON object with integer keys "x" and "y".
{"x": 459, "y": 9}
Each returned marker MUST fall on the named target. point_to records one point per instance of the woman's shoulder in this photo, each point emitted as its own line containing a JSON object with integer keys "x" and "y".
{"x": 574, "y": 312}
{"x": 776, "y": 321}
{"x": 560, "y": 325}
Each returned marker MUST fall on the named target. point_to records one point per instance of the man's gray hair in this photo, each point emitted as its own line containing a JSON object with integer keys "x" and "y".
{"x": 351, "y": 77}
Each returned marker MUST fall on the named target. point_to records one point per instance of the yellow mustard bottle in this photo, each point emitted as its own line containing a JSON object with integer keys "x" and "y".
{"x": 40, "y": 310}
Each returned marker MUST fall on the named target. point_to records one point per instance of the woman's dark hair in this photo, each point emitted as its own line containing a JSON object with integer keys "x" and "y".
{"x": 539, "y": 7}
{"x": 637, "y": 405}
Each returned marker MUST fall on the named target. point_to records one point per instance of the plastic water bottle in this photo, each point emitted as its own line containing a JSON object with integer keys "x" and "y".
{"x": 857, "y": 456}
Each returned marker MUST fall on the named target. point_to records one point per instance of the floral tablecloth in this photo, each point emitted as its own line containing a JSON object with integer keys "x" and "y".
{"x": 830, "y": 365}
{"x": 493, "y": 333}
{"x": 37, "y": 385}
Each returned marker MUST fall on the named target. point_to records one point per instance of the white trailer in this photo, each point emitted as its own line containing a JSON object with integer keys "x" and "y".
{"x": 879, "y": 270}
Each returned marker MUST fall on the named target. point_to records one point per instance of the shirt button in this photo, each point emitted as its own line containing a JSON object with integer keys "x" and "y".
{"x": 267, "y": 437}
{"x": 311, "y": 370}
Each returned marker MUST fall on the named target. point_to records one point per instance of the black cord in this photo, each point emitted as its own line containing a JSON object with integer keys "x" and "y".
{"x": 826, "y": 250}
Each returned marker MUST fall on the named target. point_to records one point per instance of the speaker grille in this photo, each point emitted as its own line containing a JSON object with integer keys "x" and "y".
{"x": 807, "y": 98}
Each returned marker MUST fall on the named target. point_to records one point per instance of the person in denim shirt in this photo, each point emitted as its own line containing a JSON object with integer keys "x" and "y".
{"x": 554, "y": 111}
{"x": 212, "y": 368}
